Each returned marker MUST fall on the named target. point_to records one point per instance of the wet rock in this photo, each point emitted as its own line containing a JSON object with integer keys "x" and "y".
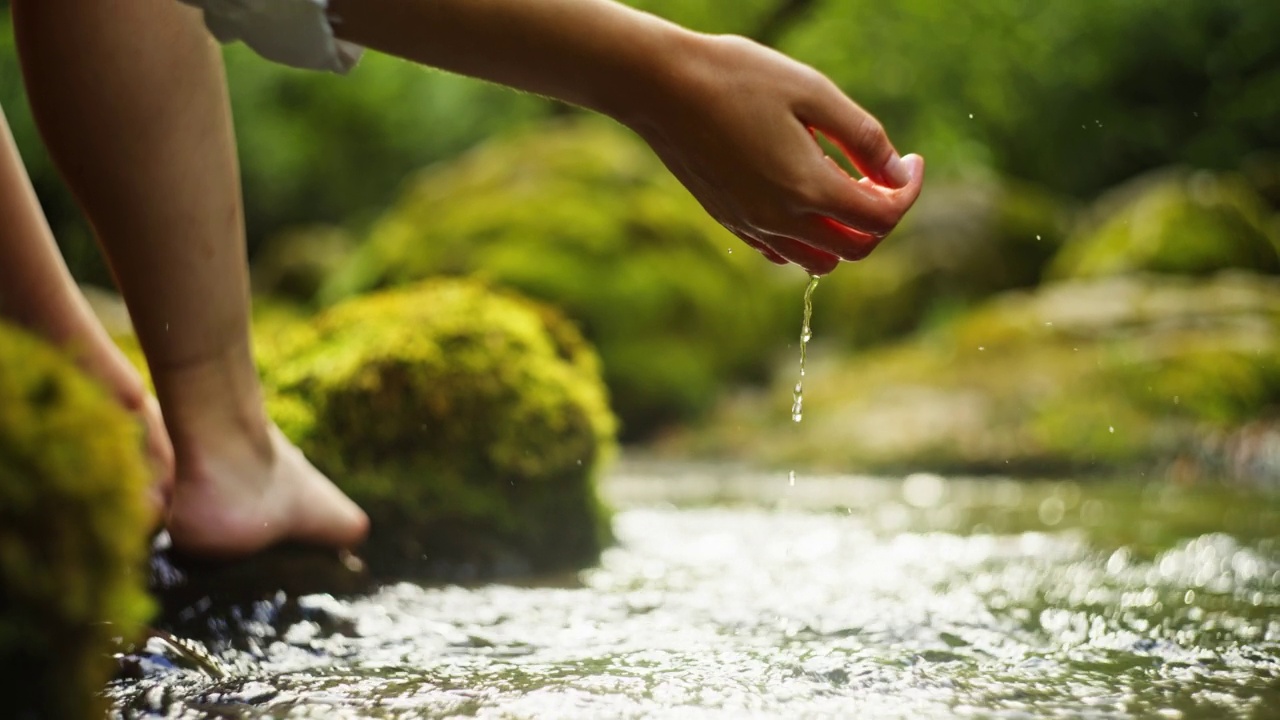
{"x": 584, "y": 216}
{"x": 470, "y": 424}
{"x": 1174, "y": 221}
{"x": 73, "y": 524}
{"x": 1127, "y": 373}
{"x": 209, "y": 599}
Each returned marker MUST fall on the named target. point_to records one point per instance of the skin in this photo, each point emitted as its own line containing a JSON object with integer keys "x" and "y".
{"x": 131, "y": 101}
{"x": 130, "y": 98}
{"x": 731, "y": 119}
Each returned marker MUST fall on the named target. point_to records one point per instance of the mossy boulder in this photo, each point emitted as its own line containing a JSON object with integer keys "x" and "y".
{"x": 471, "y": 424}
{"x": 582, "y": 215}
{"x": 1174, "y": 221}
{"x": 962, "y": 242}
{"x": 293, "y": 266}
{"x": 73, "y": 532}
{"x": 1091, "y": 376}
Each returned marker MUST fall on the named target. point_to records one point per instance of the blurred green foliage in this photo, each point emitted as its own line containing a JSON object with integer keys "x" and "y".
{"x": 1175, "y": 222}
{"x": 582, "y": 215}
{"x": 1072, "y": 96}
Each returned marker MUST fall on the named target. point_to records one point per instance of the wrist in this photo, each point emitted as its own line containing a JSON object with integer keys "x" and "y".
{"x": 652, "y": 75}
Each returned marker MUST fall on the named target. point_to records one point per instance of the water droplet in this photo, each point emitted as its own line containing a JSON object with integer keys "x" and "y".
{"x": 1037, "y": 237}
{"x": 792, "y": 478}
{"x": 970, "y": 116}
{"x": 1111, "y": 429}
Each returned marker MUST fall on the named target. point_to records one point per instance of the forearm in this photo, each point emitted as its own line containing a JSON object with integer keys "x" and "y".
{"x": 593, "y": 53}
{"x": 34, "y": 281}
{"x": 733, "y": 120}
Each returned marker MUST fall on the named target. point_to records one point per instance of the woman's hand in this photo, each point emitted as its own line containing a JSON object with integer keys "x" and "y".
{"x": 732, "y": 119}
{"x": 735, "y": 124}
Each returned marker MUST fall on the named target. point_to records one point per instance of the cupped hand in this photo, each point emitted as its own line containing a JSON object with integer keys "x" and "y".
{"x": 737, "y": 128}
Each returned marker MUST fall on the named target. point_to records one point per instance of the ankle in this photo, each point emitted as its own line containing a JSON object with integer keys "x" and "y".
{"x": 215, "y": 405}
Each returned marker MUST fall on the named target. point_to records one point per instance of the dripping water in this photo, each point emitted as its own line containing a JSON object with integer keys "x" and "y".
{"x": 797, "y": 400}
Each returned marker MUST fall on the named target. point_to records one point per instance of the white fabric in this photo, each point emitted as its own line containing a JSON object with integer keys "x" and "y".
{"x": 292, "y": 32}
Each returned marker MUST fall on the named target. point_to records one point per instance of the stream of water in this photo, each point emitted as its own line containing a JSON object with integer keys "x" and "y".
{"x": 739, "y": 595}
{"x": 797, "y": 398}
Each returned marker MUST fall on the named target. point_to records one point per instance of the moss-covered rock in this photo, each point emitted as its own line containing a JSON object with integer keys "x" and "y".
{"x": 962, "y": 242}
{"x": 1174, "y": 221}
{"x": 295, "y": 265}
{"x": 1087, "y": 376}
{"x": 470, "y": 424}
{"x": 582, "y": 215}
{"x": 73, "y": 527}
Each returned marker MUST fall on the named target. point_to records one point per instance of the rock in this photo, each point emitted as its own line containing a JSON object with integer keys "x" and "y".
{"x": 583, "y": 216}
{"x": 470, "y": 424}
{"x": 962, "y": 242}
{"x": 1090, "y": 376}
{"x": 1174, "y": 221}
{"x": 295, "y": 265}
{"x": 73, "y": 525}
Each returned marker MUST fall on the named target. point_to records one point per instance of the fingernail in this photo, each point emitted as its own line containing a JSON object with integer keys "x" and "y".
{"x": 915, "y": 165}
{"x": 897, "y": 172}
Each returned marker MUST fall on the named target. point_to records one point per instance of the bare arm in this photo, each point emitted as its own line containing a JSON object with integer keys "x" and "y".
{"x": 731, "y": 119}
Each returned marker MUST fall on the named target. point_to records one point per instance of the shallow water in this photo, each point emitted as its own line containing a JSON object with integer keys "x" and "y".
{"x": 836, "y": 597}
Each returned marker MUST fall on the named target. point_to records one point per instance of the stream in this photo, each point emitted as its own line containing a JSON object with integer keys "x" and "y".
{"x": 736, "y": 594}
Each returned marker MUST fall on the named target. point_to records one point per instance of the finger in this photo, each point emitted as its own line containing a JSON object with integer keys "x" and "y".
{"x": 833, "y": 238}
{"x": 764, "y": 250}
{"x": 856, "y": 132}
{"x": 812, "y": 259}
{"x": 865, "y": 206}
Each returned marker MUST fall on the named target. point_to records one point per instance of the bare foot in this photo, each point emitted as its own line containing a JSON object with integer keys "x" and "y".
{"x": 241, "y": 499}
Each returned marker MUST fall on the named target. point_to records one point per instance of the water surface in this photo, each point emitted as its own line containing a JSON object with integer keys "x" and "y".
{"x": 737, "y": 595}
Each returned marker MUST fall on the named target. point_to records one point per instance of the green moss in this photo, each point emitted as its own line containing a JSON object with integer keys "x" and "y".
{"x": 73, "y": 524}
{"x": 295, "y": 265}
{"x": 582, "y": 215}
{"x": 962, "y": 242}
{"x": 470, "y": 424}
{"x": 1087, "y": 376}
{"x": 1176, "y": 222}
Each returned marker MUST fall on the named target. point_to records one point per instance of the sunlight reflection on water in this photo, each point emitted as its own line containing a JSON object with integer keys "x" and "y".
{"x": 795, "y": 611}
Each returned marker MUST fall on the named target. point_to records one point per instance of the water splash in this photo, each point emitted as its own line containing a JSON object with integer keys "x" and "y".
{"x": 797, "y": 398}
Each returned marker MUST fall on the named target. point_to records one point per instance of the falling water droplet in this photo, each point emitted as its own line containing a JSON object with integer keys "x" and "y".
{"x": 792, "y": 478}
{"x": 797, "y": 400}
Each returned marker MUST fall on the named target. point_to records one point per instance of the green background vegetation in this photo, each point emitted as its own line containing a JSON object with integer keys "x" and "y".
{"x": 1035, "y": 117}
{"x": 1073, "y": 96}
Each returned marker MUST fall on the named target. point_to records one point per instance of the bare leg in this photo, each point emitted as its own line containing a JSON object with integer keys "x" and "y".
{"x": 131, "y": 99}
{"x": 37, "y": 292}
